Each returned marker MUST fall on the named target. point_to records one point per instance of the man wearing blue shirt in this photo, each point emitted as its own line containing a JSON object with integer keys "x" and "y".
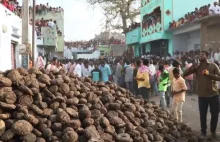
{"x": 106, "y": 71}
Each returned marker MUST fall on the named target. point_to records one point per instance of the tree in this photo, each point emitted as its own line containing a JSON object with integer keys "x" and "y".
{"x": 123, "y": 9}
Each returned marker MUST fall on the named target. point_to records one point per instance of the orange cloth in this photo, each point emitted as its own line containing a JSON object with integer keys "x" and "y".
{"x": 178, "y": 85}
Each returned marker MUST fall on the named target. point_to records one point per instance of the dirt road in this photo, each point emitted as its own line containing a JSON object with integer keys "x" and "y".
{"x": 191, "y": 114}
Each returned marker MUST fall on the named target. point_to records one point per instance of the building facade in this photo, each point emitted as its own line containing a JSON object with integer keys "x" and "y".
{"x": 49, "y": 41}
{"x": 10, "y": 38}
{"x": 154, "y": 34}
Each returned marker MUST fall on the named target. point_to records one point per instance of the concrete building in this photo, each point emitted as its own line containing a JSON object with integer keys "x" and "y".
{"x": 10, "y": 38}
{"x": 51, "y": 42}
{"x": 153, "y": 36}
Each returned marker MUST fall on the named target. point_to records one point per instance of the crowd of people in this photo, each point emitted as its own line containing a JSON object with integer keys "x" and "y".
{"x": 198, "y": 13}
{"x": 93, "y": 42}
{"x": 43, "y": 9}
{"x": 13, "y": 6}
{"x": 171, "y": 78}
{"x": 151, "y": 24}
{"x": 134, "y": 26}
{"x": 46, "y": 23}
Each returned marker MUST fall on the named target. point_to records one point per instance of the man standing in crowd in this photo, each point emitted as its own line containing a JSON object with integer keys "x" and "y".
{"x": 78, "y": 68}
{"x": 207, "y": 91}
{"x": 52, "y": 66}
{"x": 119, "y": 73}
{"x": 143, "y": 80}
{"x": 96, "y": 74}
{"x": 189, "y": 79}
{"x": 106, "y": 71}
{"x": 86, "y": 72}
{"x": 128, "y": 76}
{"x": 163, "y": 84}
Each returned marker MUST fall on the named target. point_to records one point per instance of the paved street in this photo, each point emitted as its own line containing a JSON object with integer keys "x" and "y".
{"x": 191, "y": 113}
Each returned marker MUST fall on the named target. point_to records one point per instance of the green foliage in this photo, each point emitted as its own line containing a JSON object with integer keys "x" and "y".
{"x": 124, "y": 9}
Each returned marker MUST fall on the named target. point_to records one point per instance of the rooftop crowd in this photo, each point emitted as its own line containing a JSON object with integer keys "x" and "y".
{"x": 197, "y": 14}
{"x": 171, "y": 78}
{"x": 134, "y": 26}
{"x": 13, "y": 6}
{"x": 94, "y": 42}
{"x": 46, "y": 23}
{"x": 41, "y": 9}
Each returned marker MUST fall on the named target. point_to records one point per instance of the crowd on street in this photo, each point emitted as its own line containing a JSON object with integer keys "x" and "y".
{"x": 171, "y": 78}
{"x": 198, "y": 13}
{"x": 93, "y": 42}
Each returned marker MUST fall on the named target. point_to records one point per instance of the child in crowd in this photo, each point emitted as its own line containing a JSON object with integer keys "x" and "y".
{"x": 163, "y": 84}
{"x": 179, "y": 89}
{"x": 96, "y": 74}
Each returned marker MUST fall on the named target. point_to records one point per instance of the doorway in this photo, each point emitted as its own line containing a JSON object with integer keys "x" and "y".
{"x": 13, "y": 55}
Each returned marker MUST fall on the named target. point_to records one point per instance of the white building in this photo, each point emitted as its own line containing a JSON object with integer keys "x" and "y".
{"x": 10, "y": 38}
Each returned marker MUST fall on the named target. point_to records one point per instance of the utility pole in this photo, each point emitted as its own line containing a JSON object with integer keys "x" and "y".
{"x": 33, "y": 32}
{"x": 25, "y": 33}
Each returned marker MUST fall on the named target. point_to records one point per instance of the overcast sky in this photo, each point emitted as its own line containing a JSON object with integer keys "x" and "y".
{"x": 81, "y": 21}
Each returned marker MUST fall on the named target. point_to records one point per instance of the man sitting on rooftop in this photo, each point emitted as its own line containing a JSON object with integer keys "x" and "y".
{"x": 214, "y": 8}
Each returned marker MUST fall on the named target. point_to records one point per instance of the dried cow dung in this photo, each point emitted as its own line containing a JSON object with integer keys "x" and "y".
{"x": 54, "y": 107}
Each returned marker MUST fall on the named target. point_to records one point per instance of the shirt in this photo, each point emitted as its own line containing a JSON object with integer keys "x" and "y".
{"x": 96, "y": 75}
{"x": 145, "y": 76}
{"x": 106, "y": 71}
{"x": 171, "y": 74}
{"x": 78, "y": 70}
{"x": 86, "y": 72}
{"x": 178, "y": 85}
{"x": 190, "y": 77}
{"x": 164, "y": 79}
{"x": 152, "y": 69}
{"x": 206, "y": 87}
{"x": 128, "y": 74}
{"x": 51, "y": 67}
{"x": 215, "y": 9}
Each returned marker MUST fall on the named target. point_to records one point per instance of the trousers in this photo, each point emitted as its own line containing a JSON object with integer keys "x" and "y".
{"x": 213, "y": 104}
{"x": 177, "y": 111}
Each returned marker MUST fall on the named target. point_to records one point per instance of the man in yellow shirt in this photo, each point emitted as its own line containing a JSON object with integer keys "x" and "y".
{"x": 143, "y": 81}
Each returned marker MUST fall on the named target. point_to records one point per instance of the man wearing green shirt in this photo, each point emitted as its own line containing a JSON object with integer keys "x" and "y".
{"x": 163, "y": 84}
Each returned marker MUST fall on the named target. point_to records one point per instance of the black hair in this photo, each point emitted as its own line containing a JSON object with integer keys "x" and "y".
{"x": 146, "y": 62}
{"x": 54, "y": 58}
{"x": 161, "y": 68}
{"x": 176, "y": 71}
{"x": 176, "y": 63}
{"x": 138, "y": 62}
{"x": 102, "y": 62}
{"x": 206, "y": 53}
{"x": 127, "y": 62}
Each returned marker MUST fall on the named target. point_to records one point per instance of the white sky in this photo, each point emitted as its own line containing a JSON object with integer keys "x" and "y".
{"x": 81, "y": 21}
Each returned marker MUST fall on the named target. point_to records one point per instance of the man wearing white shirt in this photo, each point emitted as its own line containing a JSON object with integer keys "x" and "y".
{"x": 78, "y": 69}
{"x": 217, "y": 55}
{"x": 86, "y": 71}
{"x": 51, "y": 23}
{"x": 214, "y": 8}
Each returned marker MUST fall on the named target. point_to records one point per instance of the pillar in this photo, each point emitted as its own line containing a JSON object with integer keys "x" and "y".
{"x": 147, "y": 47}
{"x": 25, "y": 22}
{"x": 170, "y": 46}
{"x": 137, "y": 53}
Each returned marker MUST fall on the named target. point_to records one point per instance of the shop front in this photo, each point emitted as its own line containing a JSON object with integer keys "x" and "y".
{"x": 133, "y": 41}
